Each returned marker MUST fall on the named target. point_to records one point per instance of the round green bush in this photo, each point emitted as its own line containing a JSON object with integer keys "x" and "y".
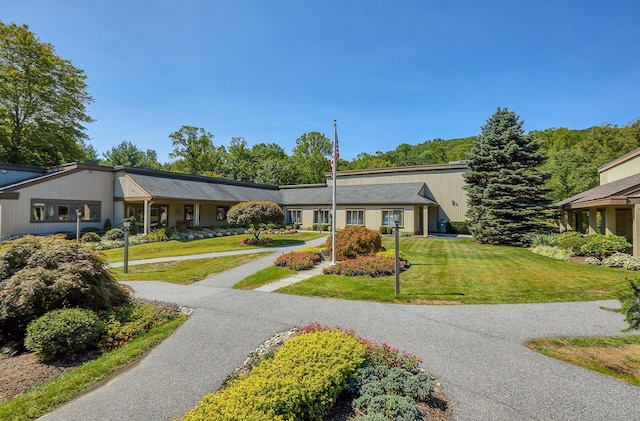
{"x": 572, "y": 241}
{"x": 114, "y": 234}
{"x": 64, "y": 331}
{"x": 90, "y": 237}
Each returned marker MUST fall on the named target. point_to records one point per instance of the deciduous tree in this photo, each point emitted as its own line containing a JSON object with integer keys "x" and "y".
{"x": 43, "y": 100}
{"x": 195, "y": 153}
{"x": 311, "y": 157}
{"x": 255, "y": 214}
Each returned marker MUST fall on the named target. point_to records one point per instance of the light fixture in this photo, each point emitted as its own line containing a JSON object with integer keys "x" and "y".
{"x": 396, "y": 218}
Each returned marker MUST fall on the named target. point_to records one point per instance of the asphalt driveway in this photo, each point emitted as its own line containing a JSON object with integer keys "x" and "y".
{"x": 476, "y": 351}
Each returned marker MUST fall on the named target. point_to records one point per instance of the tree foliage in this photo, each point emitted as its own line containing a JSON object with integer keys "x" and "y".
{"x": 504, "y": 185}
{"x": 311, "y": 157}
{"x": 127, "y": 154}
{"x": 195, "y": 153}
{"x": 43, "y": 100}
{"x": 255, "y": 214}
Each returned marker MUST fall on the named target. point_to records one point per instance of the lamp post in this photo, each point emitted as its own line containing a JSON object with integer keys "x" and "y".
{"x": 126, "y": 224}
{"x": 396, "y": 220}
{"x": 78, "y": 216}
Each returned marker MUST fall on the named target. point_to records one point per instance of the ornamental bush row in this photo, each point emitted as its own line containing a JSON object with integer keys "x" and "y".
{"x": 302, "y": 381}
{"x": 595, "y": 245}
{"x": 365, "y": 266}
{"x": 617, "y": 260}
{"x": 297, "y": 260}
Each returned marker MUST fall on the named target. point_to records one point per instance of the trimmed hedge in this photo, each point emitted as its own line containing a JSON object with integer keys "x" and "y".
{"x": 302, "y": 381}
{"x": 64, "y": 331}
{"x": 365, "y": 266}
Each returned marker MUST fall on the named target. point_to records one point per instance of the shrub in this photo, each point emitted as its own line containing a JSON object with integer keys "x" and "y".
{"x": 133, "y": 227}
{"x": 617, "y": 260}
{"x": 90, "y": 237}
{"x": 114, "y": 234}
{"x": 256, "y": 241}
{"x": 601, "y": 246}
{"x": 633, "y": 263}
{"x": 182, "y": 229}
{"x": 302, "y": 381}
{"x": 458, "y": 227}
{"x": 197, "y": 228}
{"x": 385, "y": 230}
{"x": 594, "y": 261}
{"x": 630, "y": 299}
{"x": 107, "y": 225}
{"x": 552, "y": 252}
{"x": 157, "y": 235}
{"x": 255, "y": 214}
{"x": 125, "y": 323}
{"x": 89, "y": 229}
{"x": 296, "y": 226}
{"x": 312, "y": 249}
{"x": 64, "y": 331}
{"x": 572, "y": 241}
{"x": 543, "y": 239}
{"x": 364, "y": 266}
{"x": 298, "y": 260}
{"x": 391, "y": 254}
{"x": 40, "y": 274}
{"x": 354, "y": 241}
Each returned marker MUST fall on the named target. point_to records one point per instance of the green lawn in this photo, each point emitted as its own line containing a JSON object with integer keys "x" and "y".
{"x": 184, "y": 271}
{"x": 461, "y": 271}
{"x": 208, "y": 245}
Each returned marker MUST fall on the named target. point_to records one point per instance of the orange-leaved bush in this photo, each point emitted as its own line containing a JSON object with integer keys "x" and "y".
{"x": 354, "y": 241}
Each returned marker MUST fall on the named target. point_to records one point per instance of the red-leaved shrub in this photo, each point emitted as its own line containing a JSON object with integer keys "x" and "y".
{"x": 364, "y": 266}
{"x": 298, "y": 260}
{"x": 354, "y": 241}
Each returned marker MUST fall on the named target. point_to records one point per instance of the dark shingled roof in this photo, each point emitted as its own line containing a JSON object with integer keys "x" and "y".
{"x": 204, "y": 189}
{"x": 374, "y": 194}
{"x": 617, "y": 188}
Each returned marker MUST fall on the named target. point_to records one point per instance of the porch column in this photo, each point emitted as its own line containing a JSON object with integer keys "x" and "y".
{"x": 635, "y": 214}
{"x": 196, "y": 214}
{"x": 593, "y": 221}
{"x": 147, "y": 217}
{"x": 571, "y": 221}
{"x": 425, "y": 221}
{"x": 562, "y": 223}
{"x": 610, "y": 221}
{"x": 579, "y": 221}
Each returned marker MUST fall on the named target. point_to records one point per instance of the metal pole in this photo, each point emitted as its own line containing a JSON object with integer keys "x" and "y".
{"x": 397, "y": 268}
{"x": 78, "y": 215}
{"x": 125, "y": 225}
{"x": 334, "y": 170}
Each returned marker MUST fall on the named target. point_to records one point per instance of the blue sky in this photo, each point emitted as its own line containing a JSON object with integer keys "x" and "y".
{"x": 390, "y": 72}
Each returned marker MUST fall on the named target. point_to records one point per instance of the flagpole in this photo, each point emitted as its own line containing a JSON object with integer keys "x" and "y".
{"x": 334, "y": 170}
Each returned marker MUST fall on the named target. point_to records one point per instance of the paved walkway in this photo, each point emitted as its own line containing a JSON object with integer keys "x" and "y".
{"x": 476, "y": 351}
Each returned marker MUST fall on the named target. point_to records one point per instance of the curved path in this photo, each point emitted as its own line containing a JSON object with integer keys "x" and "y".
{"x": 476, "y": 351}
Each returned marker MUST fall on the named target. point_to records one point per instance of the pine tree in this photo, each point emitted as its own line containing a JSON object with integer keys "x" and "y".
{"x": 504, "y": 186}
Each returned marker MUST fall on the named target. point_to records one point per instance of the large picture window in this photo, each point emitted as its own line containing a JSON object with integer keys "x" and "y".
{"x": 355, "y": 217}
{"x": 63, "y": 211}
{"x": 320, "y": 216}
{"x": 294, "y": 216}
{"x": 388, "y": 217}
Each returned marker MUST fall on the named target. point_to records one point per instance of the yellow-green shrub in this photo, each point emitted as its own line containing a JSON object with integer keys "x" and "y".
{"x": 302, "y": 381}
{"x": 391, "y": 254}
{"x": 311, "y": 249}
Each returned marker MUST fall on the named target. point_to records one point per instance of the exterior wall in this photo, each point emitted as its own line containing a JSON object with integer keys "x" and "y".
{"x": 372, "y": 215}
{"x": 86, "y": 185}
{"x": 123, "y": 186}
{"x": 444, "y": 186}
{"x": 622, "y": 170}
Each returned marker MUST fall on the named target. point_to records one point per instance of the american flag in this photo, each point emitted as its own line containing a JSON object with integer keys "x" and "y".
{"x": 335, "y": 155}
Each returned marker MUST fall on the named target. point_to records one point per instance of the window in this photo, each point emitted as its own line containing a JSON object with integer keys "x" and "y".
{"x": 294, "y": 216}
{"x": 59, "y": 211}
{"x": 221, "y": 214}
{"x": 355, "y": 217}
{"x": 188, "y": 212}
{"x": 320, "y": 216}
{"x": 388, "y": 217}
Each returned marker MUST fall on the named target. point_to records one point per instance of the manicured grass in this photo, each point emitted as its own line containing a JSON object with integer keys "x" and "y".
{"x": 207, "y": 245}
{"x": 47, "y": 396}
{"x": 461, "y": 271}
{"x": 184, "y": 271}
{"x": 617, "y": 357}
{"x": 264, "y": 276}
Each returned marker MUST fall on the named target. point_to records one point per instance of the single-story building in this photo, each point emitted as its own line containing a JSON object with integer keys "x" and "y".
{"x": 613, "y": 207}
{"x": 44, "y": 200}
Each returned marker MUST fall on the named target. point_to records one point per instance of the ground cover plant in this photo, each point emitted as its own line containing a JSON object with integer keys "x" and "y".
{"x": 183, "y": 272}
{"x": 302, "y": 373}
{"x": 208, "y": 245}
{"x": 461, "y": 271}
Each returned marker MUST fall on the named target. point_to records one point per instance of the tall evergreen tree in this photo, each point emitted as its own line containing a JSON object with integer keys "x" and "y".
{"x": 504, "y": 185}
